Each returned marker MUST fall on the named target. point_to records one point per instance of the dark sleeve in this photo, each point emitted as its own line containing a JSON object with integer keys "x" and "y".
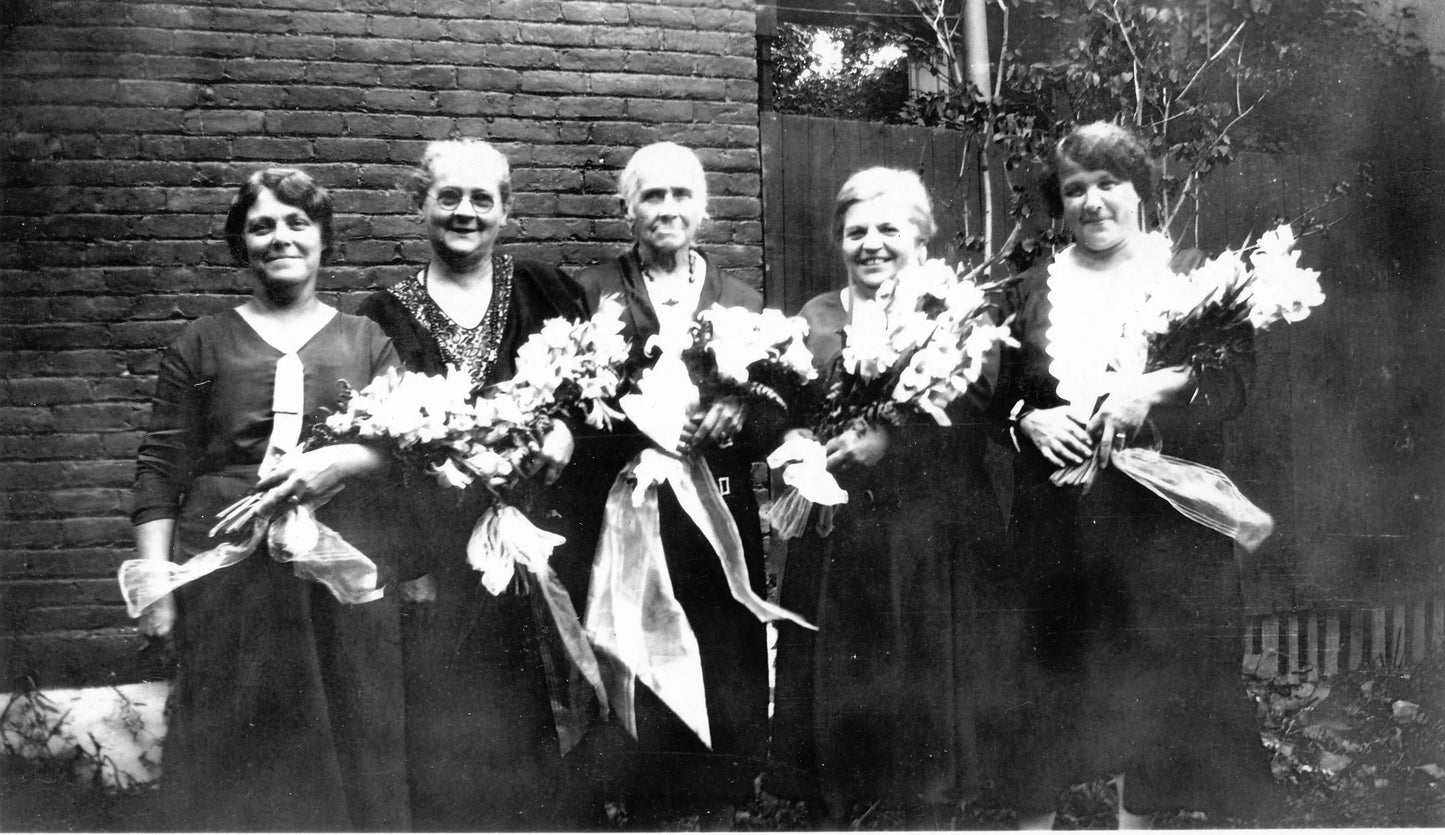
{"x": 550, "y": 292}
{"x": 415, "y": 347}
{"x": 173, "y": 441}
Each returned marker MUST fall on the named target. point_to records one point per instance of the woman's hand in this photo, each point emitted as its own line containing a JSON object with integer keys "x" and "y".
{"x": 159, "y": 619}
{"x": 857, "y": 447}
{"x": 1126, "y": 409}
{"x": 556, "y": 452}
{"x": 315, "y": 474}
{"x": 1060, "y": 438}
{"x": 718, "y": 425}
{"x": 418, "y": 599}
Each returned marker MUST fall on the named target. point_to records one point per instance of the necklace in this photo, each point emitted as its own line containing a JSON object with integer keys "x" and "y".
{"x": 652, "y": 280}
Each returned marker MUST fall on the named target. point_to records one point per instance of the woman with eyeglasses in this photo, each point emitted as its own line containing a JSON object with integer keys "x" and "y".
{"x": 481, "y": 745}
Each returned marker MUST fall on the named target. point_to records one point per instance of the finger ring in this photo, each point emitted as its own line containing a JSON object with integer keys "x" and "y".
{"x": 725, "y": 444}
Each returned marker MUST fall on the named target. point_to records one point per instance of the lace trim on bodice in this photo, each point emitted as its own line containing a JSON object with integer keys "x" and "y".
{"x": 1089, "y": 314}
{"x": 473, "y": 349}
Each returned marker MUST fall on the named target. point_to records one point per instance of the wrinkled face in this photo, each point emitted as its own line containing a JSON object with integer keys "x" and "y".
{"x": 463, "y": 211}
{"x": 667, "y": 210}
{"x": 1100, "y": 208}
{"x": 879, "y": 239}
{"x": 283, "y": 242}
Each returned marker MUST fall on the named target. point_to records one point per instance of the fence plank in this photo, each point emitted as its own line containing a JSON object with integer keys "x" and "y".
{"x": 1397, "y": 636}
{"x": 1357, "y": 639}
{"x": 1332, "y": 644}
{"x": 1378, "y": 641}
{"x": 770, "y": 131}
{"x": 1311, "y": 650}
{"x": 1272, "y": 651}
{"x": 1417, "y": 636}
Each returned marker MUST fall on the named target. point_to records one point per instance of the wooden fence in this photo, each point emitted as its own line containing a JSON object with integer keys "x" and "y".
{"x": 1340, "y": 440}
{"x": 1304, "y": 646}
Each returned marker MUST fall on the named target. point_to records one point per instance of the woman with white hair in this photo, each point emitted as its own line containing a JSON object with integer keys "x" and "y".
{"x": 663, "y": 281}
{"x": 481, "y": 746}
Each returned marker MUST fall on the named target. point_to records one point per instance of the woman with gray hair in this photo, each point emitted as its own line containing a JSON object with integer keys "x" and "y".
{"x": 877, "y": 708}
{"x": 663, "y": 281}
{"x": 481, "y": 746}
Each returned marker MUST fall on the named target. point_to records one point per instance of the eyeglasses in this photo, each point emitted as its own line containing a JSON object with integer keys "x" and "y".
{"x": 451, "y": 198}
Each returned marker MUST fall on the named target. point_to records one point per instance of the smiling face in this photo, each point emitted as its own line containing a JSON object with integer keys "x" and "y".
{"x": 1100, "y": 207}
{"x": 463, "y": 210}
{"x": 666, "y": 210}
{"x": 879, "y": 239}
{"x": 283, "y": 243}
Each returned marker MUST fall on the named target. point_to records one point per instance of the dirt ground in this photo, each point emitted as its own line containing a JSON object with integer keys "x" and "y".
{"x": 1365, "y": 749}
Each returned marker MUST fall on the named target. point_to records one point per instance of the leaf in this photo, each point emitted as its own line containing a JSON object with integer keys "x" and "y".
{"x": 1332, "y": 763}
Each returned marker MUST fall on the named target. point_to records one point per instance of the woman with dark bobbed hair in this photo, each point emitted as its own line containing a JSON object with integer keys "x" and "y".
{"x": 287, "y": 708}
{"x": 1133, "y": 615}
{"x": 481, "y": 742}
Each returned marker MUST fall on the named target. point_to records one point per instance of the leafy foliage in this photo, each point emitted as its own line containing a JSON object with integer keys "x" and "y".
{"x": 861, "y": 89}
{"x": 1200, "y": 80}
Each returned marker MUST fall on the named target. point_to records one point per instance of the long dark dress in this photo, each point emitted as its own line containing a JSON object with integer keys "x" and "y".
{"x": 878, "y": 704}
{"x": 287, "y": 710}
{"x": 669, "y": 759}
{"x": 481, "y": 742}
{"x": 1133, "y": 613}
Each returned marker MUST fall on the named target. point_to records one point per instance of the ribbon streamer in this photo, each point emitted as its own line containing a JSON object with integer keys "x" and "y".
{"x": 632, "y": 614}
{"x": 805, "y": 472}
{"x": 504, "y": 538}
{"x": 317, "y": 553}
{"x": 1201, "y": 493}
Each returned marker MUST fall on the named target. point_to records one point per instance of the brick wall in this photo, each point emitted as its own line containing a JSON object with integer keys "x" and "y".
{"x": 125, "y": 126}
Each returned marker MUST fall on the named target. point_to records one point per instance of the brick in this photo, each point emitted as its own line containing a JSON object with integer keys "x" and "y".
{"x": 407, "y": 28}
{"x": 426, "y": 77}
{"x": 373, "y": 50}
{"x": 210, "y": 44}
{"x": 592, "y": 60}
{"x": 328, "y": 23}
{"x": 50, "y": 446}
{"x": 554, "y": 82}
{"x": 304, "y": 123}
{"x": 653, "y": 110}
{"x": 144, "y": 334}
{"x": 663, "y": 17}
{"x": 224, "y": 121}
{"x": 357, "y": 150}
{"x": 364, "y": 124}
{"x": 522, "y": 57}
{"x": 607, "y": 13}
{"x": 335, "y": 73}
{"x": 77, "y": 562}
{"x": 590, "y": 107}
{"x": 742, "y": 21}
{"x": 303, "y": 47}
{"x": 553, "y": 34}
{"x": 472, "y": 103}
{"x": 413, "y": 101}
{"x": 16, "y": 420}
{"x": 538, "y": 10}
{"x": 488, "y": 79}
{"x": 77, "y": 417}
{"x": 323, "y": 97}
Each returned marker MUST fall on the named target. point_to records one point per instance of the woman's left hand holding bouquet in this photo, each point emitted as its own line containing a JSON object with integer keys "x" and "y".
{"x": 315, "y": 475}
{"x": 1125, "y": 410}
{"x": 717, "y": 424}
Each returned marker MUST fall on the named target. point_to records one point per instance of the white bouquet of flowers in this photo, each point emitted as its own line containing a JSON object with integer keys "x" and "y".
{"x": 1204, "y": 319}
{"x": 936, "y": 340}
